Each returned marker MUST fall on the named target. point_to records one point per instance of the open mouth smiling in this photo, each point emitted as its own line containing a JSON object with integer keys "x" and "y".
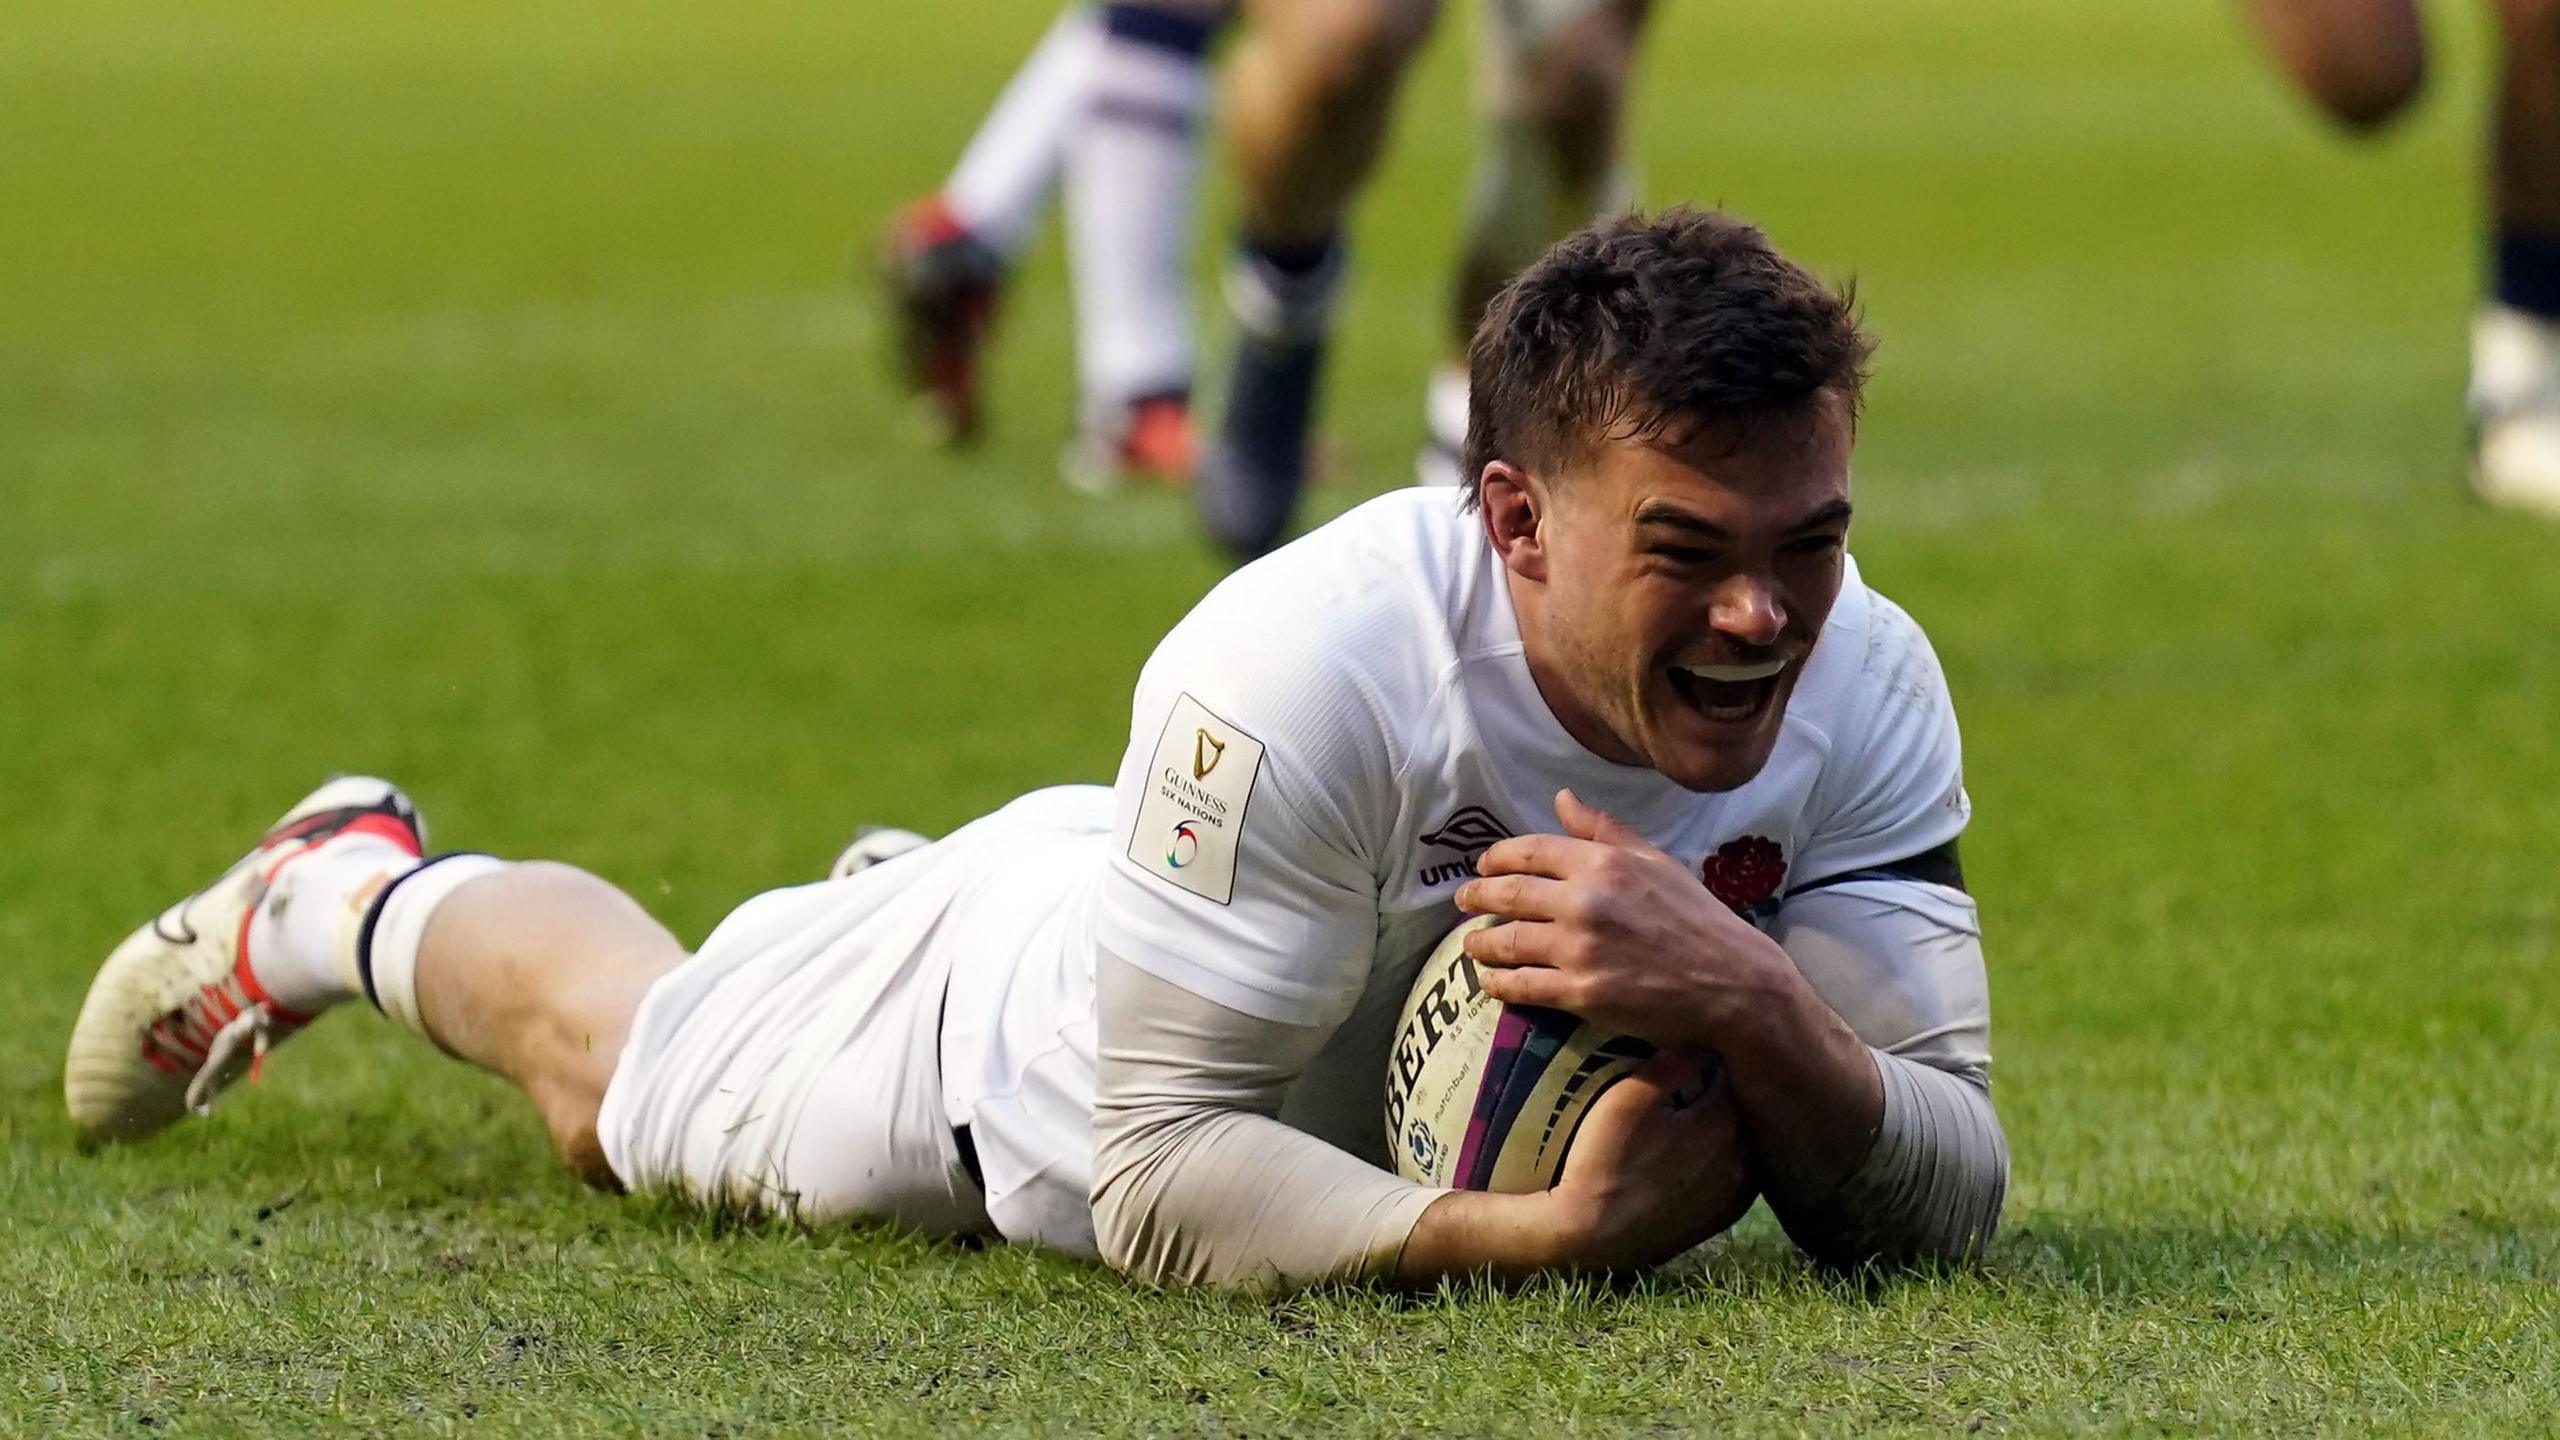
{"x": 1728, "y": 694}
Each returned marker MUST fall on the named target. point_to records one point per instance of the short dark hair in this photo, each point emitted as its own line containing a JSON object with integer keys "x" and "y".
{"x": 1641, "y": 327}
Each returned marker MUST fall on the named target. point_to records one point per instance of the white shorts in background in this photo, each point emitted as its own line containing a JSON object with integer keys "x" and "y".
{"x": 792, "y": 1066}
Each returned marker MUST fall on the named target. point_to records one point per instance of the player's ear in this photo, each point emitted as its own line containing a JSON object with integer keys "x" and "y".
{"x": 1515, "y": 515}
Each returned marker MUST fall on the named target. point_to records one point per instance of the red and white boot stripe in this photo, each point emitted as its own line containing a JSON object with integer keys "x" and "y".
{"x": 188, "y": 1041}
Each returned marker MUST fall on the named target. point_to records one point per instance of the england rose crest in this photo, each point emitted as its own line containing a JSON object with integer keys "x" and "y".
{"x": 1746, "y": 873}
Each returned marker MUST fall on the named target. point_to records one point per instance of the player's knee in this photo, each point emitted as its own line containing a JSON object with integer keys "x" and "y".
{"x": 1346, "y": 49}
{"x": 571, "y": 1118}
{"x": 2369, "y": 103}
{"x": 2367, "y": 90}
{"x": 584, "y": 1158}
{"x": 581, "y": 957}
{"x": 1575, "y": 84}
{"x": 560, "y": 882}
{"x": 2530, "y": 23}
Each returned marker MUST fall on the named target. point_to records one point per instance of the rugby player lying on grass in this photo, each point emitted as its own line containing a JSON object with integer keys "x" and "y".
{"x": 1151, "y": 1022}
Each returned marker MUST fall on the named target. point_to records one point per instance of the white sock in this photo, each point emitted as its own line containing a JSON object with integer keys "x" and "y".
{"x": 1444, "y": 408}
{"x": 1003, "y": 179}
{"x": 1133, "y": 182}
{"x": 387, "y": 951}
{"x": 302, "y": 936}
{"x": 2515, "y": 362}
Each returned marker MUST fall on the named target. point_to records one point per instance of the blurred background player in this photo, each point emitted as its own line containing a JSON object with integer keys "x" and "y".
{"x": 1310, "y": 91}
{"x": 1113, "y": 97}
{"x": 2363, "y": 61}
{"x": 1551, "y": 93}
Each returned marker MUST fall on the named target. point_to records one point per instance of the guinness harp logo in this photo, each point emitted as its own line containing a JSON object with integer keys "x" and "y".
{"x": 1206, "y": 751}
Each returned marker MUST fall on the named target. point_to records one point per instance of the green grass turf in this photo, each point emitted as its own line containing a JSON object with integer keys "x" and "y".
{"x": 475, "y": 392}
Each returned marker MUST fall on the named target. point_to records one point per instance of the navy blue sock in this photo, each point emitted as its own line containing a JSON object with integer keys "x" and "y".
{"x": 1182, "y": 33}
{"x": 1290, "y": 258}
{"x": 2525, "y": 273}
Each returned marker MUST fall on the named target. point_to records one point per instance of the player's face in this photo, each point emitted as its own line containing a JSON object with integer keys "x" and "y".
{"x": 1682, "y": 589}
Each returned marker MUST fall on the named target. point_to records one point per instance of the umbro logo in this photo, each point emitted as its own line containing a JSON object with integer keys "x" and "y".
{"x": 1470, "y": 832}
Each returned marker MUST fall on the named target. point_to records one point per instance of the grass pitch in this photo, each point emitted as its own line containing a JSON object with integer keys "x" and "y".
{"x": 476, "y": 393}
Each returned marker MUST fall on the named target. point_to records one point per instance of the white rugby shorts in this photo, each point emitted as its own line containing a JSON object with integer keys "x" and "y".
{"x": 792, "y": 1066}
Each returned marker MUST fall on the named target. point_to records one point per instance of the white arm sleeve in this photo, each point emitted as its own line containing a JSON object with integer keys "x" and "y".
{"x": 1901, "y": 961}
{"x": 1194, "y": 1181}
{"x": 1930, "y": 1190}
{"x": 1235, "y": 932}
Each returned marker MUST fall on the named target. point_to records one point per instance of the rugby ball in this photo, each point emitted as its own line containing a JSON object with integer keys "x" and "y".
{"x": 1486, "y": 1096}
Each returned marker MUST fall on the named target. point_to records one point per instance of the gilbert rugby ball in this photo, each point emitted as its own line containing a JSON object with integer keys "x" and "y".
{"x": 1486, "y": 1096}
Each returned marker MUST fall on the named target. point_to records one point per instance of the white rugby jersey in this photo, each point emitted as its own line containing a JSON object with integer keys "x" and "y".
{"x": 1317, "y": 754}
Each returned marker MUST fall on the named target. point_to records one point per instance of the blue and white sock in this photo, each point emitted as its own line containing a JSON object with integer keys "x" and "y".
{"x": 2525, "y": 273}
{"x": 1004, "y": 177}
{"x": 1133, "y": 179}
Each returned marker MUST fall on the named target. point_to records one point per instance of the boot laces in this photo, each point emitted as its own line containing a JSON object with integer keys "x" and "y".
{"x": 253, "y": 1028}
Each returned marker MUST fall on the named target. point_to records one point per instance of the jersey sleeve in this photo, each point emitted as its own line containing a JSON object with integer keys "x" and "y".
{"x": 1901, "y": 961}
{"x": 1245, "y": 821}
{"x": 1892, "y": 786}
{"x": 1194, "y": 1180}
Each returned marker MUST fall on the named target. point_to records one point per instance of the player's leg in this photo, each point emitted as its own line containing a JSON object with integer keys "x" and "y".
{"x": 533, "y": 971}
{"x": 2515, "y": 365}
{"x": 789, "y": 1067}
{"x": 1551, "y": 102}
{"x": 2362, "y": 61}
{"x": 1312, "y": 88}
{"x": 1133, "y": 179}
{"x": 1310, "y": 91}
{"x": 946, "y": 255}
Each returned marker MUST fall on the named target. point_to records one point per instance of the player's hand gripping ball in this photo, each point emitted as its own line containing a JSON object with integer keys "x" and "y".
{"x": 1487, "y": 1096}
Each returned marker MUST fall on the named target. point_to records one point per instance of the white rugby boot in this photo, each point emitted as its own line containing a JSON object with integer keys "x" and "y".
{"x": 2515, "y": 410}
{"x": 871, "y": 845}
{"x": 175, "y": 1015}
{"x": 1440, "y": 460}
{"x": 1148, "y": 440}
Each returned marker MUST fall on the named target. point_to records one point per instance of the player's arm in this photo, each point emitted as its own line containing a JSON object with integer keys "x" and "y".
{"x": 1856, "y": 1037}
{"x": 1899, "y": 954}
{"x": 1658, "y": 1166}
{"x": 1194, "y": 1179}
{"x": 1234, "y": 932}
{"x": 1866, "y": 1154}
{"x": 1879, "y": 932}
{"x": 1237, "y": 929}
{"x": 1196, "y": 1182}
